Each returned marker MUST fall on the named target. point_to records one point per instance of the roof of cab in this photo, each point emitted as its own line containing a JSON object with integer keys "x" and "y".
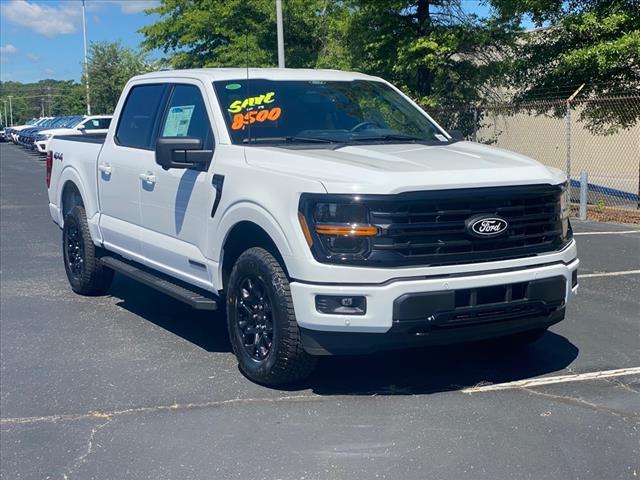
{"x": 212, "y": 74}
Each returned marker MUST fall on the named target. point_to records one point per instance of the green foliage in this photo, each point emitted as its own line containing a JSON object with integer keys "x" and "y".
{"x": 237, "y": 33}
{"x": 57, "y": 97}
{"x": 433, "y": 49}
{"x": 596, "y": 43}
{"x": 110, "y": 66}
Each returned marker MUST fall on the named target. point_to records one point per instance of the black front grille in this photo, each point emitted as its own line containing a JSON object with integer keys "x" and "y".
{"x": 428, "y": 228}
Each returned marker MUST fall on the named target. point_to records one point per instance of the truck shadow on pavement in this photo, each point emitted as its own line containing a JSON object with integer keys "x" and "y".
{"x": 409, "y": 372}
{"x": 205, "y": 329}
{"x": 439, "y": 369}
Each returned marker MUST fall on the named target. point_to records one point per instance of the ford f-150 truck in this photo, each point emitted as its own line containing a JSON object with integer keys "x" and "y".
{"x": 324, "y": 210}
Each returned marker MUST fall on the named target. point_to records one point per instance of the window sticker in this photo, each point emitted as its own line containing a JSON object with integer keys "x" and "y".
{"x": 178, "y": 121}
{"x": 442, "y": 138}
{"x": 233, "y": 86}
{"x": 254, "y": 109}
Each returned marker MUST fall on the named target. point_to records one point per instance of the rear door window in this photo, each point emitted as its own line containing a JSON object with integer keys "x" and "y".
{"x": 138, "y": 117}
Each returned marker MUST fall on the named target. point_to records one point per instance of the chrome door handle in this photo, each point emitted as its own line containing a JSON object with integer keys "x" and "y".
{"x": 105, "y": 168}
{"x": 148, "y": 177}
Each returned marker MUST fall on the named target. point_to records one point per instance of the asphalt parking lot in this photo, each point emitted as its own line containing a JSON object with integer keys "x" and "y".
{"x": 135, "y": 385}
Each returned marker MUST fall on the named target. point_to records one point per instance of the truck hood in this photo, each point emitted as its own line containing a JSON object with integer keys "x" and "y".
{"x": 394, "y": 168}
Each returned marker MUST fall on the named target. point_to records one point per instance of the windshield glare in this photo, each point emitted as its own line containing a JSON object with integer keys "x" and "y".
{"x": 349, "y": 112}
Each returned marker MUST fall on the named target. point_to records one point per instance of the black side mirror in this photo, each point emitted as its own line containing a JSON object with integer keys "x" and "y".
{"x": 182, "y": 152}
{"x": 457, "y": 135}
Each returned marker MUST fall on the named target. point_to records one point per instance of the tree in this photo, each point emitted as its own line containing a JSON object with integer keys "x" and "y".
{"x": 110, "y": 66}
{"x": 58, "y": 97}
{"x": 590, "y": 42}
{"x": 236, "y": 33}
{"x": 436, "y": 51}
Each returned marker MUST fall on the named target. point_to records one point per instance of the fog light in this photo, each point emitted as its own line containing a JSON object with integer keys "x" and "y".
{"x": 341, "y": 305}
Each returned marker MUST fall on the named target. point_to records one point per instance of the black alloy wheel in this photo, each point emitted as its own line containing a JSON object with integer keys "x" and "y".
{"x": 261, "y": 320}
{"x": 86, "y": 274}
{"x": 74, "y": 249}
{"x": 254, "y": 320}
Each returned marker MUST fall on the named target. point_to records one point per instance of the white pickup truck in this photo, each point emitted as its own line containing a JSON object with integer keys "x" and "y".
{"x": 324, "y": 210}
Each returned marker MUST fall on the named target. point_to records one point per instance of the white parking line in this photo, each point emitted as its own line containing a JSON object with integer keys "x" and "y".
{"x": 606, "y": 233}
{"x": 609, "y": 274}
{"x": 537, "y": 382}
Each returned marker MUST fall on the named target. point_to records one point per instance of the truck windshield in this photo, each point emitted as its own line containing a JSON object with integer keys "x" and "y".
{"x": 321, "y": 112}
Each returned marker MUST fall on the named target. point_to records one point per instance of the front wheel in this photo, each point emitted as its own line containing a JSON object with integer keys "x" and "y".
{"x": 262, "y": 324}
{"x": 86, "y": 275}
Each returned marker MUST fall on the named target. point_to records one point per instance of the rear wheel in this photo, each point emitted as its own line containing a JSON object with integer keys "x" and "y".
{"x": 262, "y": 323}
{"x": 86, "y": 275}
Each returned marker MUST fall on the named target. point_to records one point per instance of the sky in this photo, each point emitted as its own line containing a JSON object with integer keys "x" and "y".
{"x": 43, "y": 38}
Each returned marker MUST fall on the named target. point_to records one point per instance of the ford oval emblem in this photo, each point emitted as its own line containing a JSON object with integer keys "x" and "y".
{"x": 486, "y": 226}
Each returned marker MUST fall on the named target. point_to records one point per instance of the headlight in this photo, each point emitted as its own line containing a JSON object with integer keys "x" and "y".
{"x": 336, "y": 227}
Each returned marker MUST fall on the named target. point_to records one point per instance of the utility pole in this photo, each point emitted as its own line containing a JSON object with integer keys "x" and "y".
{"x": 42, "y": 105}
{"x": 280, "y": 29}
{"x": 10, "y": 109}
{"x": 86, "y": 68}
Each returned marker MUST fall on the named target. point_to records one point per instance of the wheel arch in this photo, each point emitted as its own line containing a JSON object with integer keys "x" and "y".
{"x": 70, "y": 197}
{"x": 240, "y": 237}
{"x": 72, "y": 192}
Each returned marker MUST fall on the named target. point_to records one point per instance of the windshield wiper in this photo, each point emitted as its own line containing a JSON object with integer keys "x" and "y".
{"x": 290, "y": 139}
{"x": 389, "y": 136}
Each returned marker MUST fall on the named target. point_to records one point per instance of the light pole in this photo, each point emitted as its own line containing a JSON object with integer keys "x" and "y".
{"x": 5, "y": 113}
{"x": 10, "y": 108}
{"x": 86, "y": 68}
{"x": 280, "y": 30}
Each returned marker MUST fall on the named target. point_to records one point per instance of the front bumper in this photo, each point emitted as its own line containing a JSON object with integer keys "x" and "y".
{"x": 380, "y": 299}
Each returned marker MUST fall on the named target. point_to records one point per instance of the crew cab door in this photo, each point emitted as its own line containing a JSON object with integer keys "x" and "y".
{"x": 124, "y": 156}
{"x": 176, "y": 202}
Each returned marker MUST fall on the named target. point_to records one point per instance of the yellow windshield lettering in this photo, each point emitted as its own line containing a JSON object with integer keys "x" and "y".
{"x": 250, "y": 102}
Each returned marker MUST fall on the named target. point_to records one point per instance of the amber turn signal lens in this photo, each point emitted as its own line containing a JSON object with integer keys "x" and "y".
{"x": 305, "y": 229}
{"x": 347, "y": 230}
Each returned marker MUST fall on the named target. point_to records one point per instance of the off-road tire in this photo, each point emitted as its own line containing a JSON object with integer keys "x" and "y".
{"x": 286, "y": 361}
{"x": 87, "y": 276}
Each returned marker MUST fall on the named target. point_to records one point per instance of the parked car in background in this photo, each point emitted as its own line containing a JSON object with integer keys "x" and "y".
{"x": 16, "y": 129}
{"x": 2, "y": 137}
{"x": 24, "y": 133}
{"x": 78, "y": 125}
{"x": 27, "y": 136}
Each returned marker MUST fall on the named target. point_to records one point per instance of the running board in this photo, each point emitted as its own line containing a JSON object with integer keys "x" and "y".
{"x": 192, "y": 296}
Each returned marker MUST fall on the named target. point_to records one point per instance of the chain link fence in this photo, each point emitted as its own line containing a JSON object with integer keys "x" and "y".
{"x": 595, "y": 141}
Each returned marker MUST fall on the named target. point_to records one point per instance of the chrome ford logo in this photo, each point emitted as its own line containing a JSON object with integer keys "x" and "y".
{"x": 486, "y": 226}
